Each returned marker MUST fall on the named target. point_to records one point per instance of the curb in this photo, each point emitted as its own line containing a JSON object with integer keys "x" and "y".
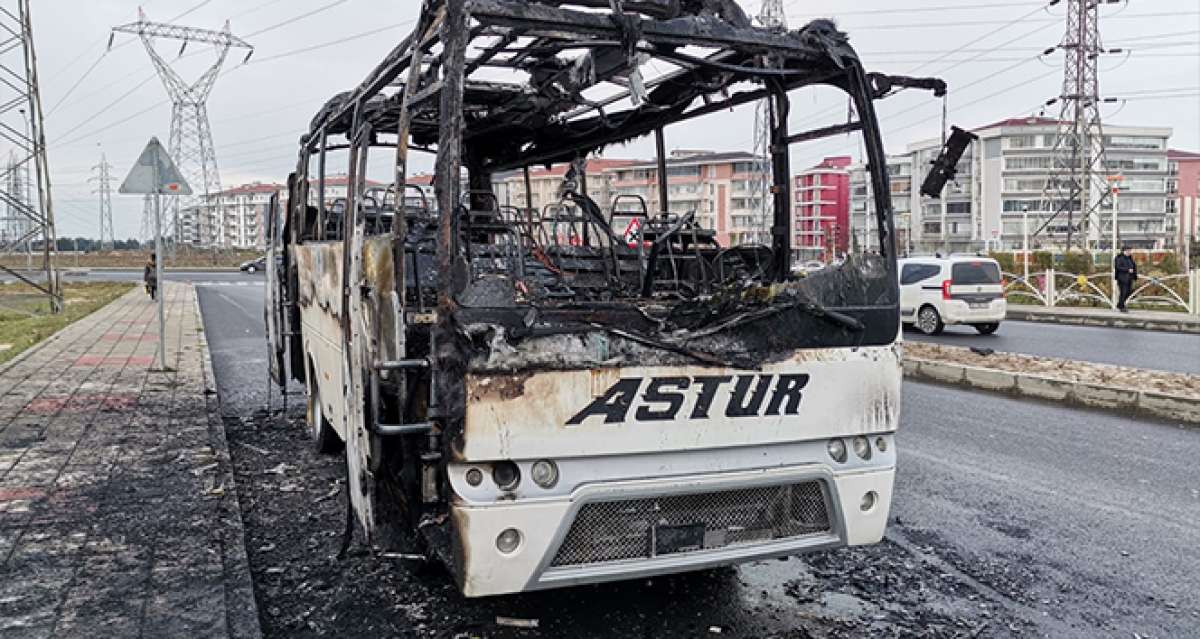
{"x": 1132, "y": 322}
{"x": 1149, "y": 403}
{"x": 241, "y": 607}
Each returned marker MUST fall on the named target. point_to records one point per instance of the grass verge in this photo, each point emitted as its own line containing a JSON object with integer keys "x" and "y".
{"x": 25, "y": 317}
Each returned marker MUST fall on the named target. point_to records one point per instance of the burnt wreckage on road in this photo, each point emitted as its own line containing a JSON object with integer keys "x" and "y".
{"x": 545, "y": 401}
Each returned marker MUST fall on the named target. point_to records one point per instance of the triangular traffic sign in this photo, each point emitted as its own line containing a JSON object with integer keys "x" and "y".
{"x": 154, "y": 172}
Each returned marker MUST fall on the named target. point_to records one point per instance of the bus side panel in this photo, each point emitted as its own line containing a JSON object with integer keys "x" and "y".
{"x": 319, "y": 269}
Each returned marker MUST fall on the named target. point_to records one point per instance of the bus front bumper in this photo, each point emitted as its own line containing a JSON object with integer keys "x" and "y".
{"x": 617, "y": 530}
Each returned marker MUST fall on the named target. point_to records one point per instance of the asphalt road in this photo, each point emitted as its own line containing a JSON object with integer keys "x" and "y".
{"x": 1175, "y": 352}
{"x": 1043, "y": 520}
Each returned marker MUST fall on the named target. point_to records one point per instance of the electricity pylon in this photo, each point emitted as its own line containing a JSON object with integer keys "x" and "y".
{"x": 29, "y": 215}
{"x": 771, "y": 16}
{"x": 104, "y": 190}
{"x": 14, "y": 225}
{"x": 1076, "y": 188}
{"x": 147, "y": 234}
{"x": 196, "y": 219}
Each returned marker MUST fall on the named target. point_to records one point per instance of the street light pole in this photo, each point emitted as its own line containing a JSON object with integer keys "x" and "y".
{"x": 1115, "y": 188}
{"x": 1025, "y": 239}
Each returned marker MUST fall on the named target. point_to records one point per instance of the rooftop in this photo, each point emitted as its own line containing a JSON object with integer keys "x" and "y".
{"x": 1176, "y": 154}
{"x": 252, "y": 188}
{"x": 594, "y": 165}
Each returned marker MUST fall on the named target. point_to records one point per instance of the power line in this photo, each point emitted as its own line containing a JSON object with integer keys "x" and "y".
{"x": 975, "y": 23}
{"x": 965, "y": 45}
{"x": 256, "y": 9}
{"x": 296, "y": 18}
{"x": 938, "y": 9}
{"x": 103, "y": 110}
{"x": 330, "y": 43}
{"x": 256, "y": 61}
{"x": 152, "y": 76}
{"x": 102, "y": 56}
{"x": 77, "y": 83}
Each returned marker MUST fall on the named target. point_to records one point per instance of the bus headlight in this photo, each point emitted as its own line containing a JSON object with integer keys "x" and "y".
{"x": 837, "y": 450}
{"x": 506, "y": 475}
{"x": 508, "y": 541}
{"x": 544, "y": 473}
{"x": 474, "y": 476}
{"x": 862, "y": 447}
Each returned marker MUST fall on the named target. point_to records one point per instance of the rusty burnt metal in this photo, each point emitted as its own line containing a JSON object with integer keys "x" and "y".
{"x": 476, "y": 288}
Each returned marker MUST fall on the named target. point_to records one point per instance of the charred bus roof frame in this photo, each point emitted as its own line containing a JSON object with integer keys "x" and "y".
{"x": 815, "y": 54}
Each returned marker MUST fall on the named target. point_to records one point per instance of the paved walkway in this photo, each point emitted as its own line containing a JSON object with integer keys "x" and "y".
{"x": 1149, "y": 320}
{"x": 118, "y": 514}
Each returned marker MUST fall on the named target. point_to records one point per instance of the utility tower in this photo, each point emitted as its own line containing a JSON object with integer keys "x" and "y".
{"x": 28, "y": 211}
{"x": 147, "y": 234}
{"x": 104, "y": 190}
{"x": 1077, "y": 190}
{"x": 15, "y": 225}
{"x": 195, "y": 219}
{"x": 770, "y": 15}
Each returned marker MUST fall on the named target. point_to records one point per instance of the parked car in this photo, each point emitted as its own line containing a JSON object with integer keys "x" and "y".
{"x": 254, "y": 266}
{"x": 958, "y": 289}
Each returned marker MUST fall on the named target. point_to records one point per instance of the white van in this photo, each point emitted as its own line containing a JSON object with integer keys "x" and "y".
{"x": 959, "y": 289}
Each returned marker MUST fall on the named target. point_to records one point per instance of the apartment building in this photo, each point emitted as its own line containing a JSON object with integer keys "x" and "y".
{"x": 864, "y": 234}
{"x": 546, "y": 184}
{"x": 244, "y": 214}
{"x": 232, "y": 218}
{"x": 821, "y": 215}
{"x": 719, "y": 187}
{"x": 1002, "y": 180}
{"x": 336, "y": 187}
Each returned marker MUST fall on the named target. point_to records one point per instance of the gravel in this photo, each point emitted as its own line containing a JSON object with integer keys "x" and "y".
{"x": 1062, "y": 369}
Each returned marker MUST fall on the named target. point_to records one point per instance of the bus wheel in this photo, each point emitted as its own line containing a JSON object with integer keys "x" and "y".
{"x": 325, "y": 438}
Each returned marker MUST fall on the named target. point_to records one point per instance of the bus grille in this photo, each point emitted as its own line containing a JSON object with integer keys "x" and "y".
{"x": 649, "y": 527}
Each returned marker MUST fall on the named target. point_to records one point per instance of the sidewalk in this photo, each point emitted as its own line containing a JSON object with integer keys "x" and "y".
{"x": 118, "y": 514}
{"x": 1147, "y": 320}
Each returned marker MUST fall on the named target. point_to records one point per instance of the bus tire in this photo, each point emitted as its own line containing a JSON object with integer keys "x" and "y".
{"x": 325, "y": 438}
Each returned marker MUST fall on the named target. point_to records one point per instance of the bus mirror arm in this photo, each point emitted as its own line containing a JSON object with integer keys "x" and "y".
{"x": 945, "y": 166}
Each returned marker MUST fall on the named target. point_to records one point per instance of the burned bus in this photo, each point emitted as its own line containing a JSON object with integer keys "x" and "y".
{"x": 538, "y": 399}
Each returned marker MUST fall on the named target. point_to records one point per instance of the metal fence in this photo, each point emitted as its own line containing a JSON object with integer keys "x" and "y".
{"x": 1061, "y": 288}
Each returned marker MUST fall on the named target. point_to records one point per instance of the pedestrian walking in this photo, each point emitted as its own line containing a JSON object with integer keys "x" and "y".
{"x": 1125, "y": 270}
{"x": 150, "y": 277}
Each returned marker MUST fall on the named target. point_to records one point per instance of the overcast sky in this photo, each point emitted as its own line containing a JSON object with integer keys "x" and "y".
{"x": 986, "y": 50}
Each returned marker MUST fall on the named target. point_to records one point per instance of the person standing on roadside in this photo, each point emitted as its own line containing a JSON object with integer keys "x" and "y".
{"x": 1125, "y": 270}
{"x": 150, "y": 276}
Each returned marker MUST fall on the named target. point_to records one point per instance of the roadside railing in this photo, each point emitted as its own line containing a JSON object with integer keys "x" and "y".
{"x": 1051, "y": 287}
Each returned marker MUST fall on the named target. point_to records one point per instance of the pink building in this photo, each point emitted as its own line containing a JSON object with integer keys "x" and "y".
{"x": 1183, "y": 197}
{"x": 821, "y": 214}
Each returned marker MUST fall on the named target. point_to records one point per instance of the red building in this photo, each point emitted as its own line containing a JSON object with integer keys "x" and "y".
{"x": 821, "y": 215}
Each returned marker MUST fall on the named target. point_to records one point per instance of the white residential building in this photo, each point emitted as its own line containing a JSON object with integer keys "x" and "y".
{"x": 1004, "y": 173}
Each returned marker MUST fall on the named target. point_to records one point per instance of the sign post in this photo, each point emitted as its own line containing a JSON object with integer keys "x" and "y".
{"x": 155, "y": 174}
